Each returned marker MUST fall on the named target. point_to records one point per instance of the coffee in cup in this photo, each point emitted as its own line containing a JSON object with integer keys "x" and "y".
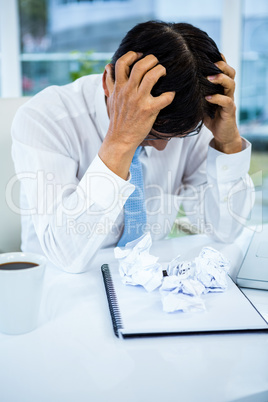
{"x": 21, "y": 282}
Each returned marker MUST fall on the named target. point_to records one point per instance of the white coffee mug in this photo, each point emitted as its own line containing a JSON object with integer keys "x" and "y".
{"x": 20, "y": 291}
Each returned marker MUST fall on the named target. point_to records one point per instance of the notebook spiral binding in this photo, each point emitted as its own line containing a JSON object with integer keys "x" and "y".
{"x": 112, "y": 299}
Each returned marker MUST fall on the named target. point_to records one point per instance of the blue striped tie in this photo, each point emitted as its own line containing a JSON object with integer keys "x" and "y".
{"x": 135, "y": 213}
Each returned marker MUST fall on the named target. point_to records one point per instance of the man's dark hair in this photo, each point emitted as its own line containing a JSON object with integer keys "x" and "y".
{"x": 188, "y": 54}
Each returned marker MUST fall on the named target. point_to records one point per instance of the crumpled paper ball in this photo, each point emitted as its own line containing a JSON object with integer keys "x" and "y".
{"x": 137, "y": 266}
{"x": 185, "y": 282}
{"x": 188, "y": 280}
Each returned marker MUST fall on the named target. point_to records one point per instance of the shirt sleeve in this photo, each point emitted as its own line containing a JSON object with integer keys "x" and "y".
{"x": 58, "y": 202}
{"x": 230, "y": 193}
{"x": 219, "y": 194}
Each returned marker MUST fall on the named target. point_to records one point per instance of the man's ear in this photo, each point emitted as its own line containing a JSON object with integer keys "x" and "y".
{"x": 107, "y": 80}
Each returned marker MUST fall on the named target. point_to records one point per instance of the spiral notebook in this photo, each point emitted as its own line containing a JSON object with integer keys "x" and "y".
{"x": 137, "y": 313}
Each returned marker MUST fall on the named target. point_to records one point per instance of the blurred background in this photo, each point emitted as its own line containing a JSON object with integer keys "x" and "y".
{"x": 53, "y": 42}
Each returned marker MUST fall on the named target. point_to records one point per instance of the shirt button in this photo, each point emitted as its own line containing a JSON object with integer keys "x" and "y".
{"x": 224, "y": 167}
{"x": 225, "y": 199}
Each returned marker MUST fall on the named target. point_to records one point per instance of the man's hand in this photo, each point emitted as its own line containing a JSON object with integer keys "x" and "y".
{"x": 223, "y": 126}
{"x": 131, "y": 107}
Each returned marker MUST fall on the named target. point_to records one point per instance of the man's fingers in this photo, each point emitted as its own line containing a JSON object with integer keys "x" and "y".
{"x": 150, "y": 79}
{"x": 226, "y": 78}
{"x": 163, "y": 100}
{"x": 122, "y": 66}
{"x": 141, "y": 69}
{"x": 226, "y": 69}
{"x": 223, "y": 57}
{"x": 227, "y": 83}
{"x": 224, "y": 101}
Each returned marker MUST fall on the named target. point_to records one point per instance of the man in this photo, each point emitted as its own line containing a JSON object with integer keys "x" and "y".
{"x": 73, "y": 147}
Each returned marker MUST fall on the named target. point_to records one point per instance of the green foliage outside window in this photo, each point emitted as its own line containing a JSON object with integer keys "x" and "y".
{"x": 86, "y": 65}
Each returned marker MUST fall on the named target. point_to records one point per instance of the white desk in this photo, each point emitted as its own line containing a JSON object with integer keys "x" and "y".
{"x": 74, "y": 355}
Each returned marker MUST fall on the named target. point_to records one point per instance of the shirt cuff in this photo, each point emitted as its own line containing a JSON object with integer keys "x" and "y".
{"x": 228, "y": 167}
{"x": 100, "y": 185}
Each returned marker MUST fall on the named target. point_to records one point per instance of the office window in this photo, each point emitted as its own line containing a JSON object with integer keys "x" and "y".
{"x": 74, "y": 38}
{"x": 254, "y": 98}
{"x": 254, "y": 90}
{"x": 0, "y": 68}
{"x": 83, "y": 1}
{"x": 63, "y": 39}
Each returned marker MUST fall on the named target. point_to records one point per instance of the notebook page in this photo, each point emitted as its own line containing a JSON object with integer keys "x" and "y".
{"x": 142, "y": 312}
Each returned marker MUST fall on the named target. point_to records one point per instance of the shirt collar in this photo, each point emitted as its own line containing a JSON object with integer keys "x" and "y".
{"x": 148, "y": 150}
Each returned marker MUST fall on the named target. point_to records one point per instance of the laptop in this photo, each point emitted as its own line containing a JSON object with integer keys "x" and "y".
{"x": 253, "y": 272}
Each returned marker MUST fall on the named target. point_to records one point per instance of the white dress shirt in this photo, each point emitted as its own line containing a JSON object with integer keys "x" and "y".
{"x": 72, "y": 204}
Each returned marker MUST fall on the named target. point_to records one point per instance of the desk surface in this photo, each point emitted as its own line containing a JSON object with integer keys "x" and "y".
{"x": 75, "y": 356}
